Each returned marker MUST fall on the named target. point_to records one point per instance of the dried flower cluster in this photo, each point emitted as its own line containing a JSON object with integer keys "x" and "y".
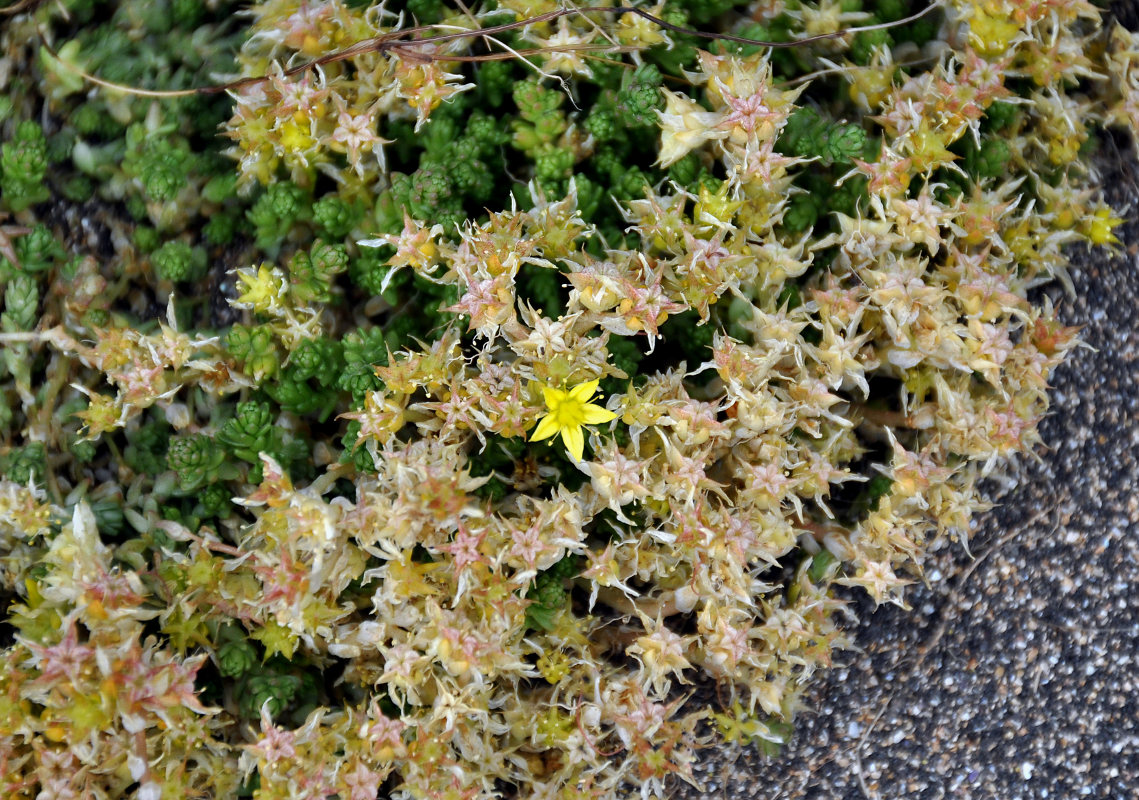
{"x": 505, "y": 434}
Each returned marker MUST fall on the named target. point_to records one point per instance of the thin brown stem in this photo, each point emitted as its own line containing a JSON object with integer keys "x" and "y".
{"x": 17, "y": 8}
{"x": 884, "y": 417}
{"x": 398, "y": 43}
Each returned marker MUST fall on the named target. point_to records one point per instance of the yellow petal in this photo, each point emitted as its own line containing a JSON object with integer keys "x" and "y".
{"x": 547, "y": 427}
{"x": 594, "y": 415}
{"x": 552, "y": 397}
{"x": 574, "y": 441}
{"x": 583, "y": 391}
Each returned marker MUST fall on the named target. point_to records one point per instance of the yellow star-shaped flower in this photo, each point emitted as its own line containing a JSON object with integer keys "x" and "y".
{"x": 261, "y": 289}
{"x": 567, "y": 412}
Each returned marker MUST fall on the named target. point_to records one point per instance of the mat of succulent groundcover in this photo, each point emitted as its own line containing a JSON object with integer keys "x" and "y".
{"x": 514, "y": 399}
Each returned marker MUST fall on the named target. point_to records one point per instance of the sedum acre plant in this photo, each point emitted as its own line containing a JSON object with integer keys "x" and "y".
{"x": 429, "y": 412}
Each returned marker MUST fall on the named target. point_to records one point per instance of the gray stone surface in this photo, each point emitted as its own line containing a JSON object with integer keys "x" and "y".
{"x": 1015, "y": 675}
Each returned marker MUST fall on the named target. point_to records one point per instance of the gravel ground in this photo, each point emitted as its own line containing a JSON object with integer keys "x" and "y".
{"x": 1015, "y": 675}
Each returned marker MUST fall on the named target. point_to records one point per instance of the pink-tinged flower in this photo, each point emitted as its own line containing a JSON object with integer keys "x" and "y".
{"x": 415, "y": 247}
{"x": 299, "y": 99}
{"x": 643, "y": 309}
{"x": 385, "y": 733}
{"x": 662, "y": 654}
{"x": 355, "y": 134}
{"x": 362, "y": 783}
{"x": 618, "y": 479}
{"x": 464, "y": 548}
{"x": 529, "y": 545}
{"x": 488, "y": 302}
{"x": 277, "y": 744}
{"x": 63, "y": 660}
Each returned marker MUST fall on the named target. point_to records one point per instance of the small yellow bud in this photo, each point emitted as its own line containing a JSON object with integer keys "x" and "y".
{"x": 715, "y": 208}
{"x": 870, "y": 87}
{"x": 295, "y": 134}
{"x": 991, "y": 35}
{"x": 1101, "y": 225}
{"x": 261, "y": 288}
